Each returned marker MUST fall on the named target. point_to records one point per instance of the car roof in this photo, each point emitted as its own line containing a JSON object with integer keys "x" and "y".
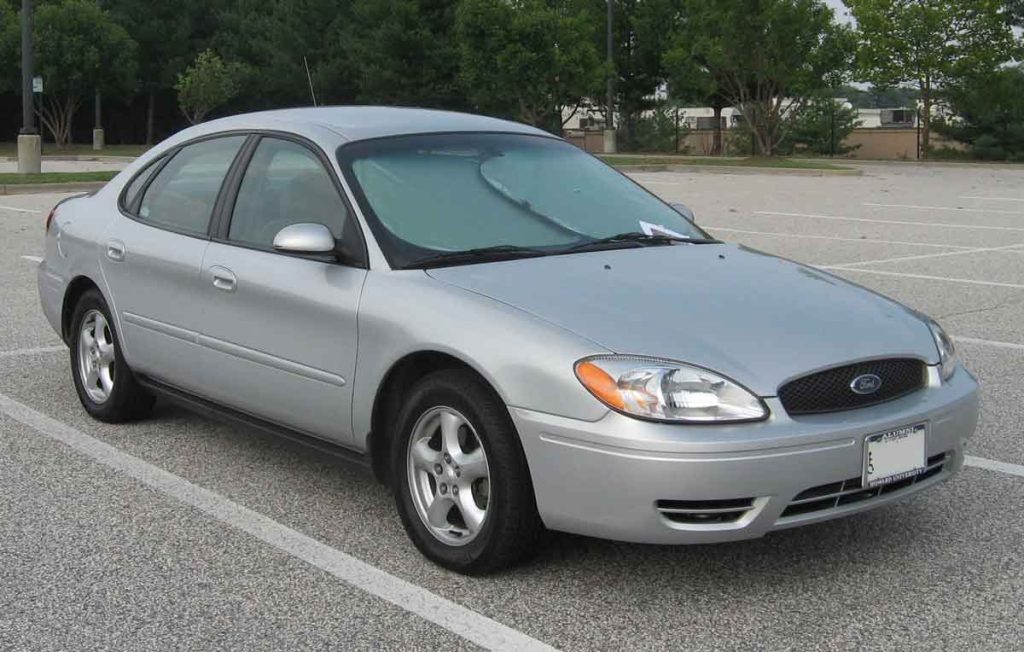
{"x": 355, "y": 123}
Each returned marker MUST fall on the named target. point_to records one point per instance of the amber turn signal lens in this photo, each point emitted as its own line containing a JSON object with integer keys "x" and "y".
{"x": 600, "y": 384}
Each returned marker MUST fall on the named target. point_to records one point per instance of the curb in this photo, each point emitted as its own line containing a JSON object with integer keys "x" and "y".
{"x": 37, "y": 188}
{"x": 102, "y": 158}
{"x": 723, "y": 169}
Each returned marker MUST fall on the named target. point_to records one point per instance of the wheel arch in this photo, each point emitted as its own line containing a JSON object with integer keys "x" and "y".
{"x": 76, "y": 288}
{"x": 400, "y": 377}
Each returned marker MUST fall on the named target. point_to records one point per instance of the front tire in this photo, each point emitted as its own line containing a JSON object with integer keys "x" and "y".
{"x": 104, "y": 382}
{"x": 462, "y": 486}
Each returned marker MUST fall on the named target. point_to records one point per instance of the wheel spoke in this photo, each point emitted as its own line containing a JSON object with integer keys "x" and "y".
{"x": 88, "y": 337}
{"x": 472, "y": 515}
{"x": 424, "y": 457}
{"x": 472, "y": 465}
{"x": 450, "y": 424}
{"x": 105, "y": 380}
{"x": 92, "y": 377}
{"x": 437, "y": 513}
{"x": 106, "y": 351}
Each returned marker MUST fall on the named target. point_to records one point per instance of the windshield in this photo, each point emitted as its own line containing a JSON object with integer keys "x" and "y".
{"x": 435, "y": 194}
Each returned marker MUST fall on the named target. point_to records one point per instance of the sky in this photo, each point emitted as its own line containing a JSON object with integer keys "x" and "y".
{"x": 841, "y": 12}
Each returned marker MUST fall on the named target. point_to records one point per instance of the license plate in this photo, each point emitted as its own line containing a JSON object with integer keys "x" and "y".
{"x": 894, "y": 455}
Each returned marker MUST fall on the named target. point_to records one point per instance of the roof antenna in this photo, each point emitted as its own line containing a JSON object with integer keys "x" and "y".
{"x": 310, "y": 79}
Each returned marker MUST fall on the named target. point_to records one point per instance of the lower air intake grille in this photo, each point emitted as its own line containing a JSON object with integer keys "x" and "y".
{"x": 831, "y": 391}
{"x": 837, "y": 494}
{"x": 698, "y": 512}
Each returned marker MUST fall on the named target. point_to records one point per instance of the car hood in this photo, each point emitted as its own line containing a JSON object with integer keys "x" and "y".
{"x": 758, "y": 319}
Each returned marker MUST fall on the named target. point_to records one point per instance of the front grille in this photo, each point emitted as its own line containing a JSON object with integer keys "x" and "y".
{"x": 830, "y": 391}
{"x": 698, "y": 512}
{"x": 846, "y": 492}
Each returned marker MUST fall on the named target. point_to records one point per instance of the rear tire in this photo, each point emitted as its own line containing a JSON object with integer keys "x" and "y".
{"x": 104, "y": 382}
{"x": 476, "y": 490}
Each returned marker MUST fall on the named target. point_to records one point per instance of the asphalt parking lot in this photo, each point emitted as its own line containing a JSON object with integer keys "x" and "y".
{"x": 182, "y": 533}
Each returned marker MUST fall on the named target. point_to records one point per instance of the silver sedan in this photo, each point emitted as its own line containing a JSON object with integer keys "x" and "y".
{"x": 510, "y": 334}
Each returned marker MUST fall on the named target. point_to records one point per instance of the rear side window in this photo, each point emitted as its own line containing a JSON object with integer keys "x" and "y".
{"x": 131, "y": 193}
{"x": 181, "y": 196}
{"x": 285, "y": 184}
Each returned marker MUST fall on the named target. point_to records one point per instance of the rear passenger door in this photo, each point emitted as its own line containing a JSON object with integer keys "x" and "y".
{"x": 280, "y": 329}
{"x": 152, "y": 256}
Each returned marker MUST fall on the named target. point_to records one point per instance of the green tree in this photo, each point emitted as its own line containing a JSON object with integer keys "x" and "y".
{"x": 768, "y": 57}
{"x": 206, "y": 84}
{"x": 10, "y": 55}
{"x": 404, "y": 52}
{"x": 166, "y": 34}
{"x": 274, "y": 40}
{"x": 822, "y": 128}
{"x": 930, "y": 43}
{"x": 79, "y": 48}
{"x": 690, "y": 82}
{"x": 526, "y": 59}
{"x": 988, "y": 114}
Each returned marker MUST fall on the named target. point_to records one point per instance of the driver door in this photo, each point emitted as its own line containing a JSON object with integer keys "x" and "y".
{"x": 280, "y": 329}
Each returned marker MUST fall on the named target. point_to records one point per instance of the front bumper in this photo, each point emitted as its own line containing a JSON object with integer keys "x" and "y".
{"x": 606, "y": 478}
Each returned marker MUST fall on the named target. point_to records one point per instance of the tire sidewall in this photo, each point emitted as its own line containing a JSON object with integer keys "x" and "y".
{"x": 438, "y": 391}
{"x": 114, "y": 407}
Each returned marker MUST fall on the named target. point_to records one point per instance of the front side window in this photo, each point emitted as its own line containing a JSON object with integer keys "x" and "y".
{"x": 182, "y": 195}
{"x": 446, "y": 193}
{"x": 284, "y": 184}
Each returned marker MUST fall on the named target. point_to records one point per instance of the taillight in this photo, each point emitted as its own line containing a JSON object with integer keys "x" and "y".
{"x": 49, "y": 218}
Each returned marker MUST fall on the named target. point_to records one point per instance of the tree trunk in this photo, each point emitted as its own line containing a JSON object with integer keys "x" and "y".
{"x": 716, "y": 145}
{"x": 926, "y": 118}
{"x": 150, "y": 110}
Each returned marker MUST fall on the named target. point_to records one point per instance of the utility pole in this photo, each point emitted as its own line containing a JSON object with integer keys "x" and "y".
{"x": 609, "y": 126}
{"x": 97, "y": 129}
{"x": 29, "y": 142}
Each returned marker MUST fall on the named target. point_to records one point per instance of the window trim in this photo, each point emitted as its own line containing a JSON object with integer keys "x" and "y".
{"x": 220, "y": 225}
{"x": 161, "y": 161}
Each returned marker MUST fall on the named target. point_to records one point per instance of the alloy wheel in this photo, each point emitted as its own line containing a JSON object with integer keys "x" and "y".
{"x": 96, "y": 356}
{"x": 448, "y": 476}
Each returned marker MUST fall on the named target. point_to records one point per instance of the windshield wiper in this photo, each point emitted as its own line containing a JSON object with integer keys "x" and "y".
{"x": 478, "y": 255}
{"x": 641, "y": 239}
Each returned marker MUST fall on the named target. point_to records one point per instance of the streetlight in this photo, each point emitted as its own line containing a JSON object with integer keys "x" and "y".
{"x": 29, "y": 141}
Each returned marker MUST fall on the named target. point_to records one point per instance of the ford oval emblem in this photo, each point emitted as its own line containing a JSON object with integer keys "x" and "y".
{"x": 866, "y": 384}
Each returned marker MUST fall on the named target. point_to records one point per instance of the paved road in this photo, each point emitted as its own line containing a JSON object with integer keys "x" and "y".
{"x": 97, "y": 558}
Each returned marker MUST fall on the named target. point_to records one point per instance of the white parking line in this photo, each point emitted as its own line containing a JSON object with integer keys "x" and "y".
{"x": 999, "y": 345}
{"x": 18, "y": 210}
{"x": 922, "y": 256}
{"x": 922, "y": 276}
{"x": 907, "y": 222}
{"x": 943, "y": 208}
{"x": 33, "y": 351}
{"x": 994, "y": 465}
{"x": 33, "y": 259}
{"x": 834, "y": 237}
{"x": 992, "y": 198}
{"x": 453, "y": 617}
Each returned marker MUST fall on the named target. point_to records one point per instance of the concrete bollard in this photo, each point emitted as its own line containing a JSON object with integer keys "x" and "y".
{"x": 30, "y": 153}
{"x": 609, "y": 141}
{"x": 97, "y": 139}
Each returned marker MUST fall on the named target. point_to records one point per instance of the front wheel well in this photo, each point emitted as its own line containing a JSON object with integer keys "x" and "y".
{"x": 76, "y": 288}
{"x": 400, "y": 378}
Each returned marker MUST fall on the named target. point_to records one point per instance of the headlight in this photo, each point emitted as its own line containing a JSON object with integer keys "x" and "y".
{"x": 947, "y": 351}
{"x": 667, "y": 391}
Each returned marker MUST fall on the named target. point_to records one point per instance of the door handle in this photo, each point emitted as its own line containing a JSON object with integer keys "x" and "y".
{"x": 115, "y": 250}
{"x": 223, "y": 278}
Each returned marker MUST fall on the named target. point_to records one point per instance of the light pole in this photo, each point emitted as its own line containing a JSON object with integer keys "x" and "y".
{"x": 29, "y": 142}
{"x": 609, "y": 122}
{"x": 97, "y": 130}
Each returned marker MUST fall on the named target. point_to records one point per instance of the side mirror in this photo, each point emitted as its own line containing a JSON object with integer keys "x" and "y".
{"x": 305, "y": 238}
{"x": 685, "y": 211}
